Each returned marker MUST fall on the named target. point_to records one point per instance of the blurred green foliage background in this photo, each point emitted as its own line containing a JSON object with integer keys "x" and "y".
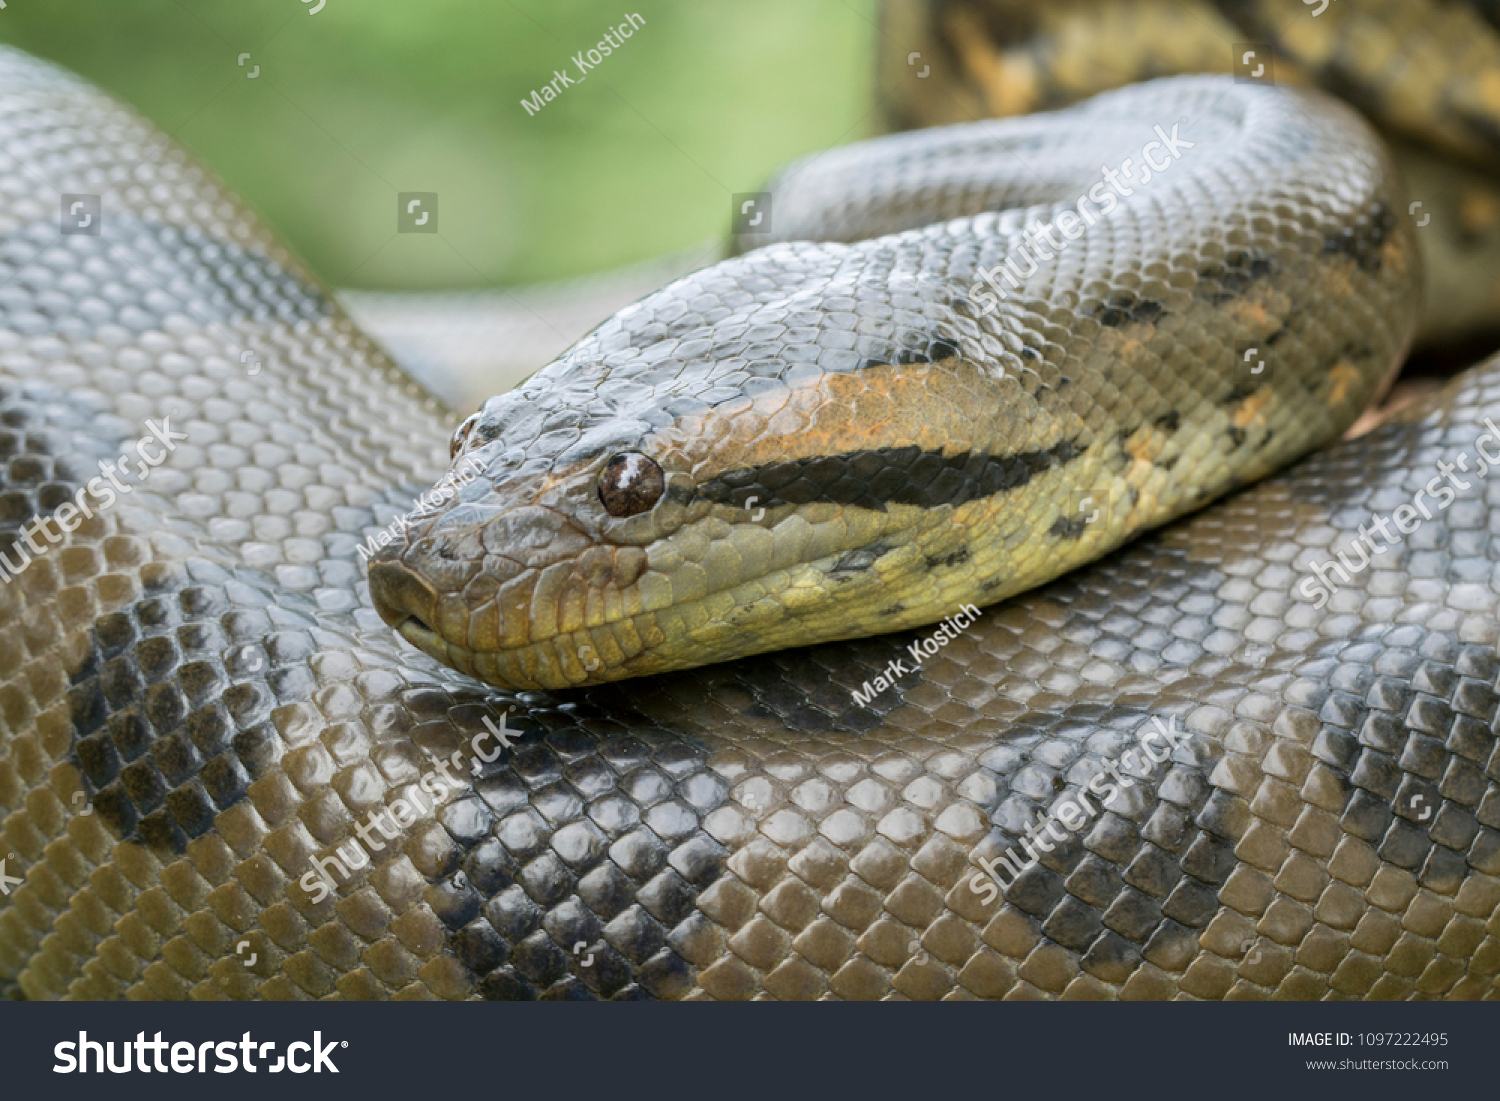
{"x": 366, "y": 98}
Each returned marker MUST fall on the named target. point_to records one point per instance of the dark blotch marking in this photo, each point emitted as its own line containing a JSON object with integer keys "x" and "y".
{"x": 861, "y": 559}
{"x": 514, "y": 902}
{"x": 1363, "y": 240}
{"x": 1064, "y": 527}
{"x": 679, "y": 494}
{"x": 877, "y": 479}
{"x": 1123, "y": 309}
{"x": 1232, "y": 276}
{"x": 1169, "y": 422}
{"x": 947, "y": 560}
{"x": 937, "y": 349}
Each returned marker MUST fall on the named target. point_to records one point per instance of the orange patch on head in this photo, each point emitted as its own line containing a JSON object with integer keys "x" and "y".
{"x": 919, "y": 404}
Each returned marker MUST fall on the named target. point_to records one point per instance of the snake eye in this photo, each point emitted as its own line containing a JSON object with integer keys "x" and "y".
{"x": 461, "y": 435}
{"x": 631, "y": 483}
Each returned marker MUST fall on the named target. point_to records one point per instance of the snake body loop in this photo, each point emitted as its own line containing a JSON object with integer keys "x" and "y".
{"x": 199, "y": 704}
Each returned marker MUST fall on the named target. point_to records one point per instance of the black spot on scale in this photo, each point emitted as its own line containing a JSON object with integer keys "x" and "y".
{"x": 1169, "y": 422}
{"x": 938, "y": 349}
{"x": 862, "y": 559}
{"x": 1220, "y": 281}
{"x": 1236, "y": 395}
{"x": 1237, "y": 435}
{"x": 1066, "y": 527}
{"x": 944, "y": 561}
{"x": 1125, "y": 309}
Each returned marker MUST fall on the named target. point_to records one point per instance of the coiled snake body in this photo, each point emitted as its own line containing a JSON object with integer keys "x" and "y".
{"x": 199, "y": 700}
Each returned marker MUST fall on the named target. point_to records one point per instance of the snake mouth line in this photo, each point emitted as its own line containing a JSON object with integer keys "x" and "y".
{"x": 417, "y": 632}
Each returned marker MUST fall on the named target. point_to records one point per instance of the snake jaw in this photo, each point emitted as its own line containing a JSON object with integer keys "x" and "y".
{"x": 403, "y": 599}
{"x": 423, "y": 637}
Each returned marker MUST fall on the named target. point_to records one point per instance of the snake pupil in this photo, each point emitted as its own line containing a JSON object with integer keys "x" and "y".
{"x": 631, "y": 483}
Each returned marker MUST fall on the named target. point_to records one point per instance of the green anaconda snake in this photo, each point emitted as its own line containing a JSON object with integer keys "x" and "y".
{"x": 200, "y": 703}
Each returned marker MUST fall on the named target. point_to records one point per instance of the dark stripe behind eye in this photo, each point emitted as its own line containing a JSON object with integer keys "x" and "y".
{"x": 879, "y": 478}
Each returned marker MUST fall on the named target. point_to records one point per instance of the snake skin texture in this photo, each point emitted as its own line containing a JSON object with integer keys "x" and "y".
{"x": 197, "y": 699}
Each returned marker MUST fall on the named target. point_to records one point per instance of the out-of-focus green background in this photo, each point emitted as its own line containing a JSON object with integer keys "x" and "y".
{"x": 366, "y": 98}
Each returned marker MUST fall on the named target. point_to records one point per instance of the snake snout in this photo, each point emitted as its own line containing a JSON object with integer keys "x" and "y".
{"x": 478, "y": 591}
{"x": 422, "y": 587}
{"x": 402, "y": 598}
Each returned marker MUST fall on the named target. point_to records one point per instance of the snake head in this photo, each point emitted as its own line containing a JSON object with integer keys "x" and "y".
{"x": 664, "y": 496}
